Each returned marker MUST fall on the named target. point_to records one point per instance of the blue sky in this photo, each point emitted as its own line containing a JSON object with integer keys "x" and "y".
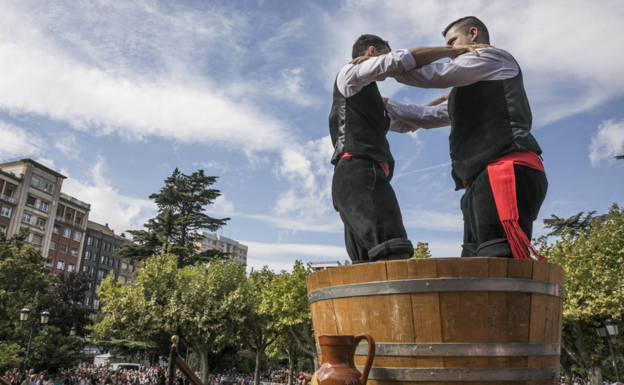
{"x": 116, "y": 94}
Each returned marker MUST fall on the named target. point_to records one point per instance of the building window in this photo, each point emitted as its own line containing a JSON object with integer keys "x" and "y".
{"x": 71, "y": 267}
{"x": 85, "y": 269}
{"x": 37, "y": 239}
{"x": 53, "y": 245}
{"x": 90, "y": 285}
{"x": 35, "y": 181}
{"x": 113, "y": 274}
{"x": 96, "y": 304}
{"x": 90, "y": 241}
{"x": 49, "y": 187}
{"x": 30, "y": 201}
{"x": 78, "y": 219}
{"x": 102, "y": 259}
{"x": 63, "y": 248}
{"x": 97, "y": 243}
{"x": 60, "y": 265}
{"x": 124, "y": 266}
{"x": 56, "y": 230}
{"x": 87, "y": 300}
{"x": 74, "y": 252}
{"x": 26, "y": 217}
{"x": 77, "y": 236}
{"x": 131, "y": 268}
{"x": 122, "y": 279}
{"x": 6, "y": 211}
{"x": 41, "y": 222}
{"x": 3, "y": 229}
{"x": 103, "y": 245}
{"x": 109, "y": 247}
{"x": 44, "y": 206}
{"x": 66, "y": 232}
{"x": 8, "y": 192}
{"x": 112, "y": 262}
{"x": 92, "y": 271}
{"x": 95, "y": 256}
{"x": 50, "y": 262}
{"x": 68, "y": 216}
{"x": 117, "y": 263}
{"x": 101, "y": 273}
{"x": 88, "y": 255}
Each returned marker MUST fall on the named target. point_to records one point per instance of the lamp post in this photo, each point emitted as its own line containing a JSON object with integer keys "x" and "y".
{"x": 72, "y": 331}
{"x": 608, "y": 331}
{"x": 45, "y": 317}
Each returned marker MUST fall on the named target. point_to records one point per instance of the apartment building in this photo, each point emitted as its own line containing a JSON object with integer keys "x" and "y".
{"x": 100, "y": 260}
{"x": 318, "y": 266}
{"x": 31, "y": 197}
{"x": 237, "y": 250}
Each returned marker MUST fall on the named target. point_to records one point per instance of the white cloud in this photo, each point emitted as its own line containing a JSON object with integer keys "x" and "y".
{"x": 222, "y": 206}
{"x": 433, "y": 220}
{"x": 108, "y": 205}
{"x": 68, "y": 146}
{"x": 608, "y": 141}
{"x": 42, "y": 76}
{"x": 281, "y": 256}
{"x": 212, "y": 165}
{"x": 16, "y": 141}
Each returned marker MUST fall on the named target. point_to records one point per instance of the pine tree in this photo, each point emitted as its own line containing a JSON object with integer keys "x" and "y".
{"x": 180, "y": 216}
{"x": 575, "y": 224}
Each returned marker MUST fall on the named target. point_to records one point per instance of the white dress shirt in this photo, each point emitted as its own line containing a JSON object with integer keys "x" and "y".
{"x": 466, "y": 69}
{"x": 353, "y": 77}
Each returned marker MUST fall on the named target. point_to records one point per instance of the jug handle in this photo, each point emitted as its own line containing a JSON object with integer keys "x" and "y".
{"x": 369, "y": 358}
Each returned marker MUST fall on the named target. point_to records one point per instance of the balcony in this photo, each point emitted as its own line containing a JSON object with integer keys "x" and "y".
{"x": 75, "y": 201}
{"x": 8, "y": 199}
{"x": 70, "y": 222}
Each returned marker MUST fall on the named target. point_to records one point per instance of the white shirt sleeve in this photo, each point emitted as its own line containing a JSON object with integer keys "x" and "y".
{"x": 466, "y": 69}
{"x": 410, "y": 117}
{"x": 353, "y": 77}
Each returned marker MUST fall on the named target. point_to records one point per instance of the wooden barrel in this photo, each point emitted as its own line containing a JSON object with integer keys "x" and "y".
{"x": 447, "y": 320}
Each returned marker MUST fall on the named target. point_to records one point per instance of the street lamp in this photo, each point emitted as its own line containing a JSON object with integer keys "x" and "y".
{"x": 24, "y": 313}
{"x": 608, "y": 331}
{"x": 72, "y": 331}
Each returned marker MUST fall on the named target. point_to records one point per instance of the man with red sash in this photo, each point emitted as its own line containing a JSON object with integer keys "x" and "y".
{"x": 494, "y": 156}
{"x": 358, "y": 124}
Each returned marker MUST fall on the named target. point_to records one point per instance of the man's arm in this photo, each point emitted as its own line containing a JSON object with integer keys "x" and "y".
{"x": 410, "y": 117}
{"x": 491, "y": 64}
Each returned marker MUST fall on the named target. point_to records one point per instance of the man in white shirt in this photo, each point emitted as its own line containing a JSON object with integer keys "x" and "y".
{"x": 494, "y": 155}
{"x": 358, "y": 123}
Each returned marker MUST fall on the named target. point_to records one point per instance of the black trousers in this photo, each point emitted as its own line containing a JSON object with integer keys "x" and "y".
{"x": 484, "y": 235}
{"x": 368, "y": 207}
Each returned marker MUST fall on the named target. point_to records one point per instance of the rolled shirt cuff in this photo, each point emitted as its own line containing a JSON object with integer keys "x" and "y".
{"x": 407, "y": 59}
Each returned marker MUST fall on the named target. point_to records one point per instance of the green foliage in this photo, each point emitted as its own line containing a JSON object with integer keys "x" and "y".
{"x": 573, "y": 225}
{"x": 593, "y": 263}
{"x": 421, "y": 251}
{"x": 64, "y": 302}
{"x": 180, "y": 214}
{"x": 52, "y": 350}
{"x": 10, "y": 356}
{"x": 619, "y": 157}
{"x": 205, "y": 306}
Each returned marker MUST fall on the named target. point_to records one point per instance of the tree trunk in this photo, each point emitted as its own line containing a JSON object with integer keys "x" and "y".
{"x": 291, "y": 365}
{"x": 594, "y": 374}
{"x": 203, "y": 364}
{"x": 567, "y": 372}
{"x": 258, "y": 363}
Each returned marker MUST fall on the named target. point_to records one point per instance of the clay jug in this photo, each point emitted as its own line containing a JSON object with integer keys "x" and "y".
{"x": 337, "y": 367}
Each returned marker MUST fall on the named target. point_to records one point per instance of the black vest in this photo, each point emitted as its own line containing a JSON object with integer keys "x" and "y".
{"x": 359, "y": 124}
{"x": 488, "y": 119}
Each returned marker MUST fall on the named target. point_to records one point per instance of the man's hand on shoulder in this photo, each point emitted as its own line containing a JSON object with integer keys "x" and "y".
{"x": 462, "y": 49}
{"x": 360, "y": 59}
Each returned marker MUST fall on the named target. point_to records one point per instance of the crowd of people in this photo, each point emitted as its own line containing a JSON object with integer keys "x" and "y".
{"x": 89, "y": 374}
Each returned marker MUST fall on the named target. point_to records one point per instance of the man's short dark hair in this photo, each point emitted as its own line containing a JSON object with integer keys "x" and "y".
{"x": 465, "y": 23}
{"x": 363, "y": 42}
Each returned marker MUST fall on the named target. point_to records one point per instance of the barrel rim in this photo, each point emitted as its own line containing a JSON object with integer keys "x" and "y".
{"x": 384, "y": 349}
{"x": 435, "y": 285}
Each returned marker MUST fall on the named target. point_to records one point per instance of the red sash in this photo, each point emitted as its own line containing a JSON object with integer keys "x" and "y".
{"x": 503, "y": 182}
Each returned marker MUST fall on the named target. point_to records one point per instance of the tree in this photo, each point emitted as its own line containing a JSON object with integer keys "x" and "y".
{"x": 572, "y": 225}
{"x": 421, "y": 251}
{"x": 52, "y": 350}
{"x": 289, "y": 300}
{"x": 204, "y": 306}
{"x": 593, "y": 263}
{"x": 64, "y": 301}
{"x": 619, "y": 157}
{"x": 10, "y": 356}
{"x": 262, "y": 324}
{"x": 180, "y": 215}
{"x": 23, "y": 281}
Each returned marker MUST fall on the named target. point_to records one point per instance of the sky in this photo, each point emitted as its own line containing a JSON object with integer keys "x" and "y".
{"x": 117, "y": 94}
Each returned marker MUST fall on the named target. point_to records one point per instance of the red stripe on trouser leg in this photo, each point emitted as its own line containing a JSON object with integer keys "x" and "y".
{"x": 503, "y": 183}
